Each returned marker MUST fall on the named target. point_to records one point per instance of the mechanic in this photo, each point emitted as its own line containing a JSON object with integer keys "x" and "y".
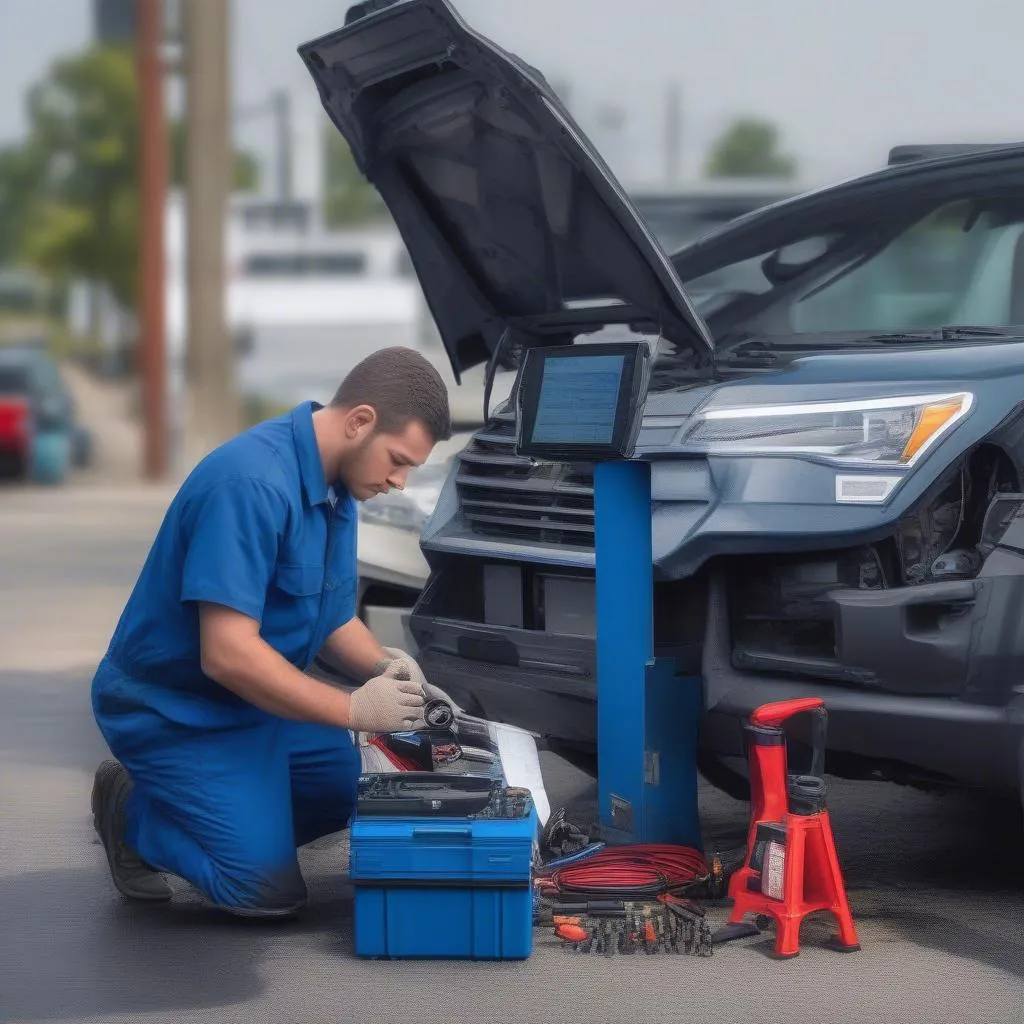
{"x": 229, "y": 756}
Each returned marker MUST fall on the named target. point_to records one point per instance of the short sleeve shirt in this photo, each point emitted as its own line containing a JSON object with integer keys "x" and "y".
{"x": 255, "y": 528}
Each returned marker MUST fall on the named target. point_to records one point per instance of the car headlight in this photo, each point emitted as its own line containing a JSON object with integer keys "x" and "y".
{"x": 874, "y": 432}
{"x": 408, "y": 509}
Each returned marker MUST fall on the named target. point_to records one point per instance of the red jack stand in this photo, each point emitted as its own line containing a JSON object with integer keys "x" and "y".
{"x": 791, "y": 868}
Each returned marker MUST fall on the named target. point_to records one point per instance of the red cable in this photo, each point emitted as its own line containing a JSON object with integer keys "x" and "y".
{"x": 658, "y": 867}
{"x": 401, "y": 763}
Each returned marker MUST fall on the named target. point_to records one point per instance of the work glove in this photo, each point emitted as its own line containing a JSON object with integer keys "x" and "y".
{"x": 430, "y": 691}
{"x": 390, "y": 701}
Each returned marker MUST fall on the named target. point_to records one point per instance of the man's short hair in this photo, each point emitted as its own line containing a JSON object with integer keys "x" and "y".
{"x": 401, "y": 385}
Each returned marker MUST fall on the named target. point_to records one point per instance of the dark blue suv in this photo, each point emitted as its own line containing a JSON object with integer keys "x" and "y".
{"x": 835, "y": 421}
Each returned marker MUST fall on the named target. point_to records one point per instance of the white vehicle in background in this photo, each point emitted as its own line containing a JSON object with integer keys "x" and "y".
{"x": 392, "y": 570}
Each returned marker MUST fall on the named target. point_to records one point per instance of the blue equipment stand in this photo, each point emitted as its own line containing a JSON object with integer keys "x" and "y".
{"x": 647, "y": 715}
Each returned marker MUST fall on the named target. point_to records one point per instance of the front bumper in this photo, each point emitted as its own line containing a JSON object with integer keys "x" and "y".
{"x": 967, "y": 743}
{"x": 547, "y": 683}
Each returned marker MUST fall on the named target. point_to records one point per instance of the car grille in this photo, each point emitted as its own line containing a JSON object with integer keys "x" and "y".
{"x": 503, "y": 495}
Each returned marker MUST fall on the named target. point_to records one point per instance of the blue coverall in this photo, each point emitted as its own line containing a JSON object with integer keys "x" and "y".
{"x": 224, "y": 793}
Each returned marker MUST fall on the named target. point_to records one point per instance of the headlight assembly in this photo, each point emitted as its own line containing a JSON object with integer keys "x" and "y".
{"x": 873, "y": 432}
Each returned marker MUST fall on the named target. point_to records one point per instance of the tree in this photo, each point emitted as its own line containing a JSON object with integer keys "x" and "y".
{"x": 348, "y": 197}
{"x": 69, "y": 196}
{"x": 83, "y": 144}
{"x": 749, "y": 148}
{"x": 18, "y": 177}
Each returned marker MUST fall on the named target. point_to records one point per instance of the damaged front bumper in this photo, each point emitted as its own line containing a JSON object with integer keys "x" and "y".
{"x": 909, "y": 735}
{"x": 921, "y": 682}
{"x": 905, "y": 618}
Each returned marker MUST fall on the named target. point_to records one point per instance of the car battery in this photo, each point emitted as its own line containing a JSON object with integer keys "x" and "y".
{"x": 442, "y": 867}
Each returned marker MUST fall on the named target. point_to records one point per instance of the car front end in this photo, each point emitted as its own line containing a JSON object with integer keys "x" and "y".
{"x": 863, "y": 548}
{"x": 835, "y": 431}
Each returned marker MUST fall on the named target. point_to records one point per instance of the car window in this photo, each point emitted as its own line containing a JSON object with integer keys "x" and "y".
{"x": 13, "y": 380}
{"x": 46, "y": 376}
{"x": 959, "y": 263}
{"x": 944, "y": 270}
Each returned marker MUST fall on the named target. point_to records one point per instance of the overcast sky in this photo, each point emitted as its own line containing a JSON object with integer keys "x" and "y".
{"x": 844, "y": 80}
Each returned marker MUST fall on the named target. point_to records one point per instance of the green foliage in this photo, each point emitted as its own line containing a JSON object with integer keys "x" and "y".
{"x": 69, "y": 195}
{"x": 246, "y": 172}
{"x": 18, "y": 178}
{"x": 749, "y": 148}
{"x": 83, "y": 147}
{"x": 348, "y": 197}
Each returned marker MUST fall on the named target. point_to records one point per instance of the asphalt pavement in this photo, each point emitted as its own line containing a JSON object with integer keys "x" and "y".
{"x": 935, "y": 883}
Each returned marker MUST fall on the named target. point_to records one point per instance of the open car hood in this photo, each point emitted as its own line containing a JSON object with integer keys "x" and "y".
{"x": 511, "y": 218}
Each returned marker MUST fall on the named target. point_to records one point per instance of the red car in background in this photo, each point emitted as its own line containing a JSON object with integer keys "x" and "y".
{"x": 15, "y": 421}
{"x": 40, "y": 439}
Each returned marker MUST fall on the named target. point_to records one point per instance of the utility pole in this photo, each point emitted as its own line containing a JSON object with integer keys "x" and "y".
{"x": 154, "y": 152}
{"x": 213, "y": 407}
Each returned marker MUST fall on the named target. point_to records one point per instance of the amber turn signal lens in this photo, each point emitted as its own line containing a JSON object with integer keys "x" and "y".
{"x": 933, "y": 418}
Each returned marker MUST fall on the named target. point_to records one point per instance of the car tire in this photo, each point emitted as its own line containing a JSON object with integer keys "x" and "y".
{"x": 1020, "y": 776}
{"x": 13, "y": 470}
{"x": 729, "y": 775}
{"x": 82, "y": 448}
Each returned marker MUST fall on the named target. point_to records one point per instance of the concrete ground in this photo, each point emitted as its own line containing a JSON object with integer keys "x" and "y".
{"x": 935, "y": 883}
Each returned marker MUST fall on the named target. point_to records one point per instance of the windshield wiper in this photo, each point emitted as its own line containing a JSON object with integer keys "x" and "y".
{"x": 752, "y": 348}
{"x": 941, "y": 334}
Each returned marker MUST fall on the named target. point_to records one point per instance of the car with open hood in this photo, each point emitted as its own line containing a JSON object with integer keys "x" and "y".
{"x": 836, "y": 437}
{"x": 392, "y": 569}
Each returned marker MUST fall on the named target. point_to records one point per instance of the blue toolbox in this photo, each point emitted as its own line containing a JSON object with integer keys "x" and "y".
{"x": 442, "y": 867}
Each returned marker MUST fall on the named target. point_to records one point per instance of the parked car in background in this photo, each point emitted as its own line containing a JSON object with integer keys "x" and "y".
{"x": 836, "y": 436}
{"x": 40, "y": 438}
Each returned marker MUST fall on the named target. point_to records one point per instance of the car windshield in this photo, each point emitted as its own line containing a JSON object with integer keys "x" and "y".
{"x": 13, "y": 380}
{"x": 681, "y": 218}
{"x": 951, "y": 264}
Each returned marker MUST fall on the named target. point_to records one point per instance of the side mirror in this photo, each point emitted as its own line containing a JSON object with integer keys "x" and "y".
{"x": 789, "y": 261}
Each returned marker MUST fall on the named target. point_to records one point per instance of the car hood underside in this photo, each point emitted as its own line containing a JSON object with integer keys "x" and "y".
{"x": 511, "y": 219}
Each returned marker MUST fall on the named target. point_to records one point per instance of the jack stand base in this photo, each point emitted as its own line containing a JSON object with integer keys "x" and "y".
{"x": 838, "y": 946}
{"x": 729, "y": 932}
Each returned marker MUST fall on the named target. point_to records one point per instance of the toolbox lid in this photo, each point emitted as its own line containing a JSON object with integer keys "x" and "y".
{"x": 442, "y": 851}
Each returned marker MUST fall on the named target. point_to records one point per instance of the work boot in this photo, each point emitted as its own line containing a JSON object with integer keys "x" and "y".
{"x": 132, "y": 876}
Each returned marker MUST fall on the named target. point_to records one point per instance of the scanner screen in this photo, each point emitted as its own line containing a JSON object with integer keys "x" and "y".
{"x": 578, "y": 400}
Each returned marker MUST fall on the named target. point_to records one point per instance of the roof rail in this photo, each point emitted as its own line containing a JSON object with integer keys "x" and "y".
{"x": 910, "y": 154}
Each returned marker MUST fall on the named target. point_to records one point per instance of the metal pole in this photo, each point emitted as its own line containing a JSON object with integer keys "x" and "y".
{"x": 213, "y": 414}
{"x": 154, "y": 148}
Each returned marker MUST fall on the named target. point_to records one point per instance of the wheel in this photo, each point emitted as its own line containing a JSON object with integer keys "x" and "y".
{"x": 1020, "y": 777}
{"x": 82, "y": 448}
{"x": 14, "y": 466}
{"x": 728, "y": 774}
